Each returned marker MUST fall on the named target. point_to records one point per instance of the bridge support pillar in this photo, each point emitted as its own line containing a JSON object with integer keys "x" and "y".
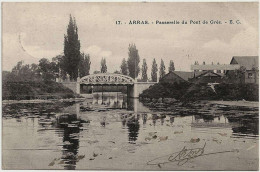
{"x": 136, "y": 95}
{"x": 130, "y": 91}
{"x": 77, "y": 87}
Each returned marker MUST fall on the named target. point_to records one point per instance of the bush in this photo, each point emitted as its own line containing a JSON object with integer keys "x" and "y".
{"x": 193, "y": 92}
{"x": 32, "y": 89}
{"x": 238, "y": 91}
{"x": 165, "y": 90}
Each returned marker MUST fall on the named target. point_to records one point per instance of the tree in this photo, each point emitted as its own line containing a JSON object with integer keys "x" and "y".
{"x": 154, "y": 71}
{"x": 240, "y": 74}
{"x": 117, "y": 72}
{"x": 58, "y": 63}
{"x": 24, "y": 72}
{"x": 84, "y": 66}
{"x": 47, "y": 70}
{"x": 96, "y": 72}
{"x": 144, "y": 71}
{"x": 17, "y": 68}
{"x": 124, "y": 68}
{"x": 71, "y": 50}
{"x": 162, "y": 69}
{"x": 103, "y": 68}
{"x": 133, "y": 61}
{"x": 35, "y": 71}
{"x": 171, "y": 66}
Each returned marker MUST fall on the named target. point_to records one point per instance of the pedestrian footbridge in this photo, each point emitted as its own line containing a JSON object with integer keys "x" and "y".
{"x": 134, "y": 88}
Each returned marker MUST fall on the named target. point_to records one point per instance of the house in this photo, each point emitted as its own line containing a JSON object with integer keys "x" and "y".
{"x": 217, "y": 68}
{"x": 177, "y": 77}
{"x": 248, "y": 71}
{"x": 208, "y": 77}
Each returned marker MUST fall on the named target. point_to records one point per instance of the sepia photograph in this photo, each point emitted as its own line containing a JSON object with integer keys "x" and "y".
{"x": 125, "y": 86}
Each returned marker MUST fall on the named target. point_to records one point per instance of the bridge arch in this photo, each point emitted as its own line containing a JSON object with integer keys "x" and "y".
{"x": 106, "y": 79}
{"x": 133, "y": 88}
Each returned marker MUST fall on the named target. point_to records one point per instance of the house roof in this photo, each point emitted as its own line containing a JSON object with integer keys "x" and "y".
{"x": 247, "y": 61}
{"x": 209, "y": 73}
{"x": 215, "y": 67}
{"x": 184, "y": 75}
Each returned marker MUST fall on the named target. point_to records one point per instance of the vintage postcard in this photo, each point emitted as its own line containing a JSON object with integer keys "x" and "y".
{"x": 130, "y": 86}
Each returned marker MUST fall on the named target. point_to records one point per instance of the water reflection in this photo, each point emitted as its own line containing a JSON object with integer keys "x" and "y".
{"x": 71, "y": 125}
{"x": 133, "y": 127}
{"x": 144, "y": 117}
{"x": 112, "y": 100}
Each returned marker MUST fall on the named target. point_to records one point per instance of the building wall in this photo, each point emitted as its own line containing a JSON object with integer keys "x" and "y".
{"x": 253, "y": 78}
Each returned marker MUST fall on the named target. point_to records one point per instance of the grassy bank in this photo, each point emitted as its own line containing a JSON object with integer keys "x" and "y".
{"x": 28, "y": 90}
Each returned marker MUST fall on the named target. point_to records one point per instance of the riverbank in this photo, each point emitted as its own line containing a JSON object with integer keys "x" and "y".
{"x": 196, "y": 92}
{"x": 34, "y": 90}
{"x": 4, "y": 102}
{"x": 237, "y": 103}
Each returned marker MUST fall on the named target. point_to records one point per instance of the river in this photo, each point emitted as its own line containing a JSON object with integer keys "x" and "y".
{"x": 116, "y": 133}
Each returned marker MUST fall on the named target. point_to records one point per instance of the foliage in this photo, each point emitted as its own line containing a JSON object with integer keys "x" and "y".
{"x": 124, "y": 68}
{"x": 59, "y": 63}
{"x": 171, "y": 66}
{"x": 227, "y": 91}
{"x": 117, "y": 72}
{"x": 84, "y": 66}
{"x": 237, "y": 76}
{"x": 22, "y": 72}
{"x": 162, "y": 70}
{"x": 224, "y": 91}
{"x": 133, "y": 61}
{"x": 191, "y": 92}
{"x": 154, "y": 71}
{"x": 103, "y": 68}
{"x": 144, "y": 71}
{"x": 71, "y": 57}
{"x": 96, "y": 72}
{"x": 166, "y": 90}
{"x": 31, "y": 89}
{"x": 48, "y": 70}
{"x": 45, "y": 70}
{"x": 199, "y": 92}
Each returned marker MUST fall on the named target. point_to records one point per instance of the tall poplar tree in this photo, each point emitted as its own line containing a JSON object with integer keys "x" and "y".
{"x": 162, "y": 69}
{"x": 133, "y": 61}
{"x": 84, "y": 66}
{"x": 103, "y": 68}
{"x": 171, "y": 66}
{"x": 71, "y": 57}
{"x": 124, "y": 68}
{"x": 154, "y": 71}
{"x": 144, "y": 71}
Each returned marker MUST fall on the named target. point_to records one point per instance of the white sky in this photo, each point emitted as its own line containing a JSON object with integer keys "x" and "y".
{"x": 42, "y": 26}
